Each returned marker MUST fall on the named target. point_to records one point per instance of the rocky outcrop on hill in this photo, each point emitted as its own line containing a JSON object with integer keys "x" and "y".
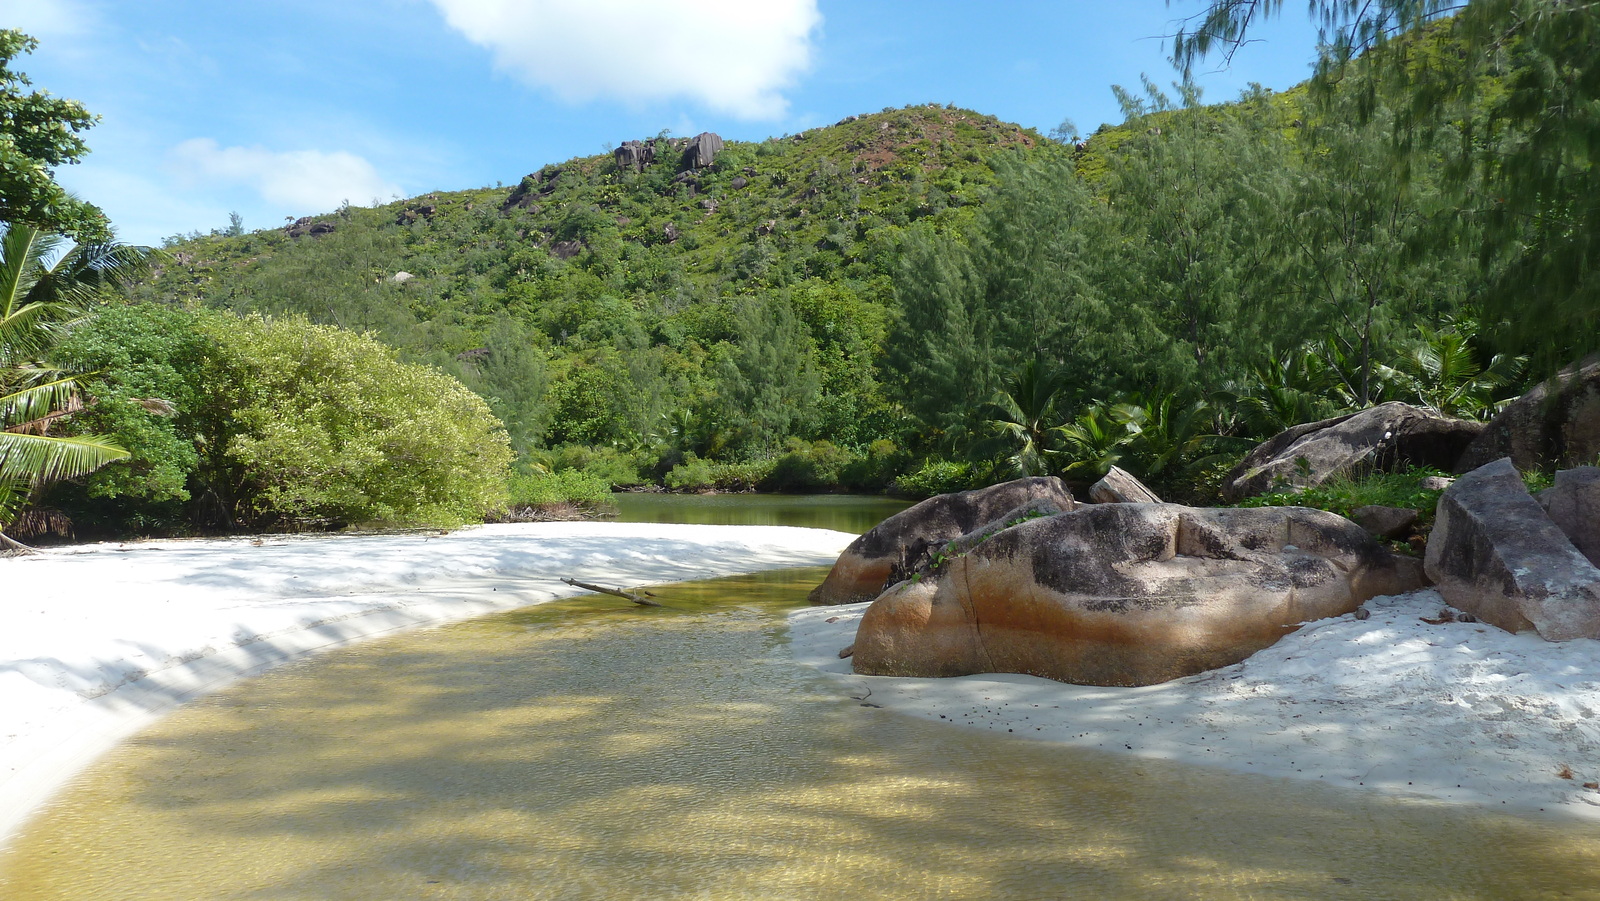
{"x": 1557, "y": 423}
{"x": 702, "y": 150}
{"x": 1496, "y": 554}
{"x": 1120, "y": 487}
{"x": 1382, "y": 438}
{"x": 306, "y": 225}
{"x": 895, "y": 547}
{"x": 533, "y": 186}
{"x": 635, "y": 155}
{"x": 1127, "y": 594}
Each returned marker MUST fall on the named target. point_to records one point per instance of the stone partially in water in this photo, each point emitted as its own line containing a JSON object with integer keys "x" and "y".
{"x": 1122, "y": 594}
{"x": 897, "y": 546}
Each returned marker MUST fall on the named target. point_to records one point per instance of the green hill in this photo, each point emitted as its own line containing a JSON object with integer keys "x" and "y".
{"x": 598, "y": 302}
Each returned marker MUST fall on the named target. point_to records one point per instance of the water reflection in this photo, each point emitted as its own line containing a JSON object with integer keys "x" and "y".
{"x": 591, "y": 749}
{"x": 842, "y": 512}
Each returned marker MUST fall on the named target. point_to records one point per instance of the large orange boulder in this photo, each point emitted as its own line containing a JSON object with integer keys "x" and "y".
{"x": 1127, "y": 594}
{"x": 894, "y": 548}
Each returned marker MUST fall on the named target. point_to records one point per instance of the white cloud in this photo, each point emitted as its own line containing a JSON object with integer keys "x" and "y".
{"x": 733, "y": 55}
{"x": 47, "y": 18}
{"x": 305, "y": 180}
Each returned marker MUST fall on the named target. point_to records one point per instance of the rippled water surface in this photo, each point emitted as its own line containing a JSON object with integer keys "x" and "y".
{"x": 589, "y": 749}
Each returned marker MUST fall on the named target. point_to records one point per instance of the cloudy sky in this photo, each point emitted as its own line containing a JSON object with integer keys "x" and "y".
{"x": 284, "y": 108}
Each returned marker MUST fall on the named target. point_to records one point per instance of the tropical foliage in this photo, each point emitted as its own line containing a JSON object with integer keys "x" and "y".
{"x": 277, "y": 423}
{"x": 43, "y": 292}
{"x": 925, "y": 298}
{"x": 37, "y": 133}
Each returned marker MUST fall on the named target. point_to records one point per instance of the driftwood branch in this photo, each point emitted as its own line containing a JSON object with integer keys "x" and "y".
{"x": 642, "y": 598}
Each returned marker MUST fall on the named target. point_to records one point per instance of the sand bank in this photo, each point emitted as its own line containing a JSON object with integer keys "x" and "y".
{"x": 1454, "y": 712}
{"x": 96, "y": 641}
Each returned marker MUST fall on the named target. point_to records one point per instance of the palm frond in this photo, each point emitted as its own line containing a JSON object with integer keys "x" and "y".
{"x": 28, "y": 403}
{"x": 39, "y": 458}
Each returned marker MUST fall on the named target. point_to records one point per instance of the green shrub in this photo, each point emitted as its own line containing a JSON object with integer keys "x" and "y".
{"x": 874, "y": 471}
{"x": 695, "y": 474}
{"x": 1343, "y": 496}
{"x": 691, "y": 474}
{"x": 936, "y": 477}
{"x": 327, "y": 426}
{"x": 566, "y": 486}
{"x": 608, "y": 464}
{"x": 808, "y": 467}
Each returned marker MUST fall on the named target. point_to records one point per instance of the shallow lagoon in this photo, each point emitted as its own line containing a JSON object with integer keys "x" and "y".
{"x": 590, "y": 749}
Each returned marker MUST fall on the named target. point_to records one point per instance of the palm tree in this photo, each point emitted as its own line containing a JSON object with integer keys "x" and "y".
{"x": 1096, "y": 439}
{"x": 1021, "y": 415}
{"x": 1441, "y": 369}
{"x": 39, "y": 302}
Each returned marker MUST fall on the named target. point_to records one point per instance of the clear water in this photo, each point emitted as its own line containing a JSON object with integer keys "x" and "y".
{"x": 841, "y": 512}
{"x": 592, "y": 749}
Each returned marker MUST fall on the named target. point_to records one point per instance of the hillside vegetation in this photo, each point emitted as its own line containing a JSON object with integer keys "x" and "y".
{"x": 928, "y": 298}
{"x": 594, "y": 304}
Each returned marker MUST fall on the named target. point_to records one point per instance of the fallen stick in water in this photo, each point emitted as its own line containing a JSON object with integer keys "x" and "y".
{"x": 642, "y": 598}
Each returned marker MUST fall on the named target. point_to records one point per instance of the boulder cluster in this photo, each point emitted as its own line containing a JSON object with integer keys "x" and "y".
{"x": 1127, "y": 590}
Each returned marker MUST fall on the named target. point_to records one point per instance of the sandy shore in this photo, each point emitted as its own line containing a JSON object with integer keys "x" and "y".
{"x": 99, "y": 640}
{"x": 1454, "y": 712}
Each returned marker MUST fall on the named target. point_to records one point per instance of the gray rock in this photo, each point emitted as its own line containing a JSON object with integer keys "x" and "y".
{"x": 1128, "y": 594}
{"x": 1495, "y": 554}
{"x": 1381, "y": 439}
{"x": 1120, "y": 487}
{"x": 702, "y": 150}
{"x": 1573, "y": 504}
{"x": 635, "y": 155}
{"x": 1385, "y": 522}
{"x": 896, "y": 547}
{"x": 1555, "y": 424}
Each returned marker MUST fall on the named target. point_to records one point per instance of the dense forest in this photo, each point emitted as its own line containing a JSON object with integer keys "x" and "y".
{"x": 922, "y": 299}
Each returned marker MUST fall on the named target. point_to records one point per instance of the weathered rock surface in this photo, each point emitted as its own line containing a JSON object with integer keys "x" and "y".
{"x": 1128, "y": 594}
{"x": 1573, "y": 504}
{"x": 1557, "y": 423}
{"x": 897, "y": 546}
{"x": 1497, "y": 555}
{"x": 635, "y": 155}
{"x": 1382, "y": 438}
{"x": 1120, "y": 487}
{"x": 1385, "y": 522}
{"x": 305, "y": 225}
{"x": 702, "y": 150}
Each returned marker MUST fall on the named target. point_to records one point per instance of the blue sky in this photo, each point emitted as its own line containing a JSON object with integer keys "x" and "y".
{"x": 289, "y": 107}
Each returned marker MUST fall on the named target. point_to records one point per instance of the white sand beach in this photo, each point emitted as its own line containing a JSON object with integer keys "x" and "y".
{"x": 98, "y": 640}
{"x": 1452, "y": 712}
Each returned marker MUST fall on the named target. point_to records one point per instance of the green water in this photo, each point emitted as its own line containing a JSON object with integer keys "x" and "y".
{"x": 592, "y": 749}
{"x": 841, "y": 512}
